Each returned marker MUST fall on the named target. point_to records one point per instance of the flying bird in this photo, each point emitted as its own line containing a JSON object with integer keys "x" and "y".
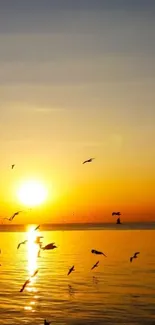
{"x": 37, "y": 228}
{"x": 12, "y": 217}
{"x": 35, "y": 272}
{"x": 118, "y": 222}
{"x": 94, "y": 251}
{"x": 116, "y": 213}
{"x": 23, "y": 242}
{"x": 28, "y": 281}
{"x": 88, "y": 160}
{"x": 24, "y": 285}
{"x": 49, "y": 246}
{"x": 15, "y": 214}
{"x": 95, "y": 265}
{"x": 71, "y": 270}
{"x": 12, "y": 166}
{"x": 134, "y": 256}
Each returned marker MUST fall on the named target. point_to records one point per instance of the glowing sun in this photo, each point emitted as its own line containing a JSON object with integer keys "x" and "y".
{"x": 32, "y": 193}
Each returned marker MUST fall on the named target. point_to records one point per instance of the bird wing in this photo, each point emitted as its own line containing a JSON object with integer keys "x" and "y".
{"x": 37, "y": 227}
{"x": 99, "y": 253}
{"x": 48, "y": 246}
{"x": 32, "y": 276}
{"x": 95, "y": 265}
{"x": 104, "y": 255}
{"x": 131, "y": 259}
{"x": 137, "y": 253}
{"x": 22, "y": 243}
{"x": 12, "y": 217}
{"x": 88, "y": 160}
{"x": 15, "y": 214}
{"x": 24, "y": 285}
{"x": 70, "y": 270}
{"x": 18, "y": 245}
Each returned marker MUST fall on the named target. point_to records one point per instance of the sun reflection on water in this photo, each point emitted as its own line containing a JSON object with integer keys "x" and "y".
{"x": 32, "y": 266}
{"x": 32, "y": 252}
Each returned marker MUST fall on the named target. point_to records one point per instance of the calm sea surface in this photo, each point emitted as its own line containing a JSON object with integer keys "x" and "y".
{"x": 117, "y": 292}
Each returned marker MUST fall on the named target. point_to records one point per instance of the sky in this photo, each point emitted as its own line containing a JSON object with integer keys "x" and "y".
{"x": 77, "y": 80}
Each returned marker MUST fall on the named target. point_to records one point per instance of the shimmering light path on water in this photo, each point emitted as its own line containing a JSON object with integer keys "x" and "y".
{"x": 121, "y": 292}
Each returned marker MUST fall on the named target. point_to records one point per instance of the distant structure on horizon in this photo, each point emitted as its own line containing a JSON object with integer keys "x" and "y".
{"x": 118, "y": 222}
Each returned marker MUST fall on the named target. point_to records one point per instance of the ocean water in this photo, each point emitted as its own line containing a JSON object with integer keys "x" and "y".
{"x": 116, "y": 292}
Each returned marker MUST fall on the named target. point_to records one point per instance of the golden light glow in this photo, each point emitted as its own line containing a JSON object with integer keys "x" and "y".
{"x": 32, "y": 251}
{"x": 32, "y": 193}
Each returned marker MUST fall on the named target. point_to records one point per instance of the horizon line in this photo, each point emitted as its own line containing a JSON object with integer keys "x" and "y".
{"x": 76, "y": 223}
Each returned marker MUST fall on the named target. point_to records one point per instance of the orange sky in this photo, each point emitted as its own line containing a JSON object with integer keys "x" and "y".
{"x": 75, "y": 83}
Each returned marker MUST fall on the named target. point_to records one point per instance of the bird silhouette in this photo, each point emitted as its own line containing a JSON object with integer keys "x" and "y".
{"x": 15, "y": 214}
{"x": 49, "y": 246}
{"x": 118, "y": 222}
{"x": 12, "y": 166}
{"x": 24, "y": 285}
{"x": 71, "y": 270}
{"x": 95, "y": 265}
{"x": 12, "y": 217}
{"x": 37, "y": 228}
{"x": 88, "y": 160}
{"x": 134, "y": 256}
{"x": 28, "y": 281}
{"x": 35, "y": 273}
{"x": 116, "y": 213}
{"x": 94, "y": 251}
{"x": 22, "y": 243}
